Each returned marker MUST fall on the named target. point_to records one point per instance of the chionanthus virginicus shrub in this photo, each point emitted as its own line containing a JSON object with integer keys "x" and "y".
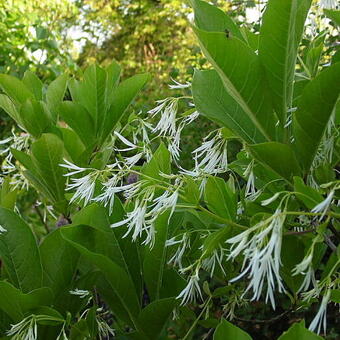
{"x": 143, "y": 241}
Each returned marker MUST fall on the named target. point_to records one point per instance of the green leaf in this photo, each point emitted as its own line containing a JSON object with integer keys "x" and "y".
{"x": 213, "y": 101}
{"x": 8, "y": 106}
{"x": 55, "y": 94}
{"x": 292, "y": 253}
{"x": 210, "y": 18}
{"x": 15, "y": 303}
{"x": 15, "y": 89}
{"x": 112, "y": 243}
{"x": 309, "y": 196}
{"x": 93, "y": 92}
{"x": 155, "y": 258}
{"x": 47, "y": 154}
{"x": 335, "y": 295}
{"x": 34, "y": 84}
{"x": 220, "y": 198}
{"x": 7, "y": 195}
{"x": 226, "y": 330}
{"x": 73, "y": 144}
{"x": 313, "y": 113}
{"x": 59, "y": 262}
{"x": 159, "y": 163}
{"x": 81, "y": 237}
{"x": 122, "y": 97}
{"x": 298, "y": 332}
{"x": 192, "y": 192}
{"x": 334, "y": 15}
{"x": 78, "y": 118}
{"x": 280, "y": 36}
{"x": 31, "y": 173}
{"x": 113, "y": 72}
{"x": 154, "y": 316}
{"x": 35, "y": 117}
{"x": 242, "y": 75}
{"x": 278, "y": 157}
{"x": 313, "y": 59}
{"x": 19, "y": 252}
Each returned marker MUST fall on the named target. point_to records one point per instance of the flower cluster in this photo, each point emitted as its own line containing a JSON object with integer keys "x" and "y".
{"x": 260, "y": 246}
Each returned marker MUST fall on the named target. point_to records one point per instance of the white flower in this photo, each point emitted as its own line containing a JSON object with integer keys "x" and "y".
{"x": 251, "y": 193}
{"x": 130, "y": 146}
{"x": 2, "y": 229}
{"x": 190, "y": 118}
{"x": 74, "y": 168}
{"x": 271, "y": 199}
{"x": 209, "y": 263}
{"x": 320, "y": 319}
{"x": 166, "y": 126}
{"x": 84, "y": 187}
{"x": 191, "y": 292}
{"x": 178, "y": 85}
{"x": 62, "y": 335}
{"x": 131, "y": 161}
{"x": 104, "y": 329}
{"x": 26, "y": 329}
{"x": 328, "y": 4}
{"x": 184, "y": 243}
{"x": 308, "y": 280}
{"x": 303, "y": 265}
{"x": 211, "y": 156}
{"x": 137, "y": 220}
{"x": 111, "y": 187}
{"x": 262, "y": 254}
{"x": 80, "y": 292}
{"x": 324, "y": 205}
{"x": 167, "y": 200}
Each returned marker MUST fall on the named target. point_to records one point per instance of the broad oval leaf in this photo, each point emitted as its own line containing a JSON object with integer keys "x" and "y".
{"x": 213, "y": 101}
{"x": 226, "y": 330}
{"x": 278, "y": 157}
{"x": 19, "y": 252}
{"x": 280, "y": 35}
{"x": 242, "y": 75}
{"x": 16, "y": 303}
{"x": 298, "y": 332}
{"x": 78, "y": 118}
{"x": 314, "y": 110}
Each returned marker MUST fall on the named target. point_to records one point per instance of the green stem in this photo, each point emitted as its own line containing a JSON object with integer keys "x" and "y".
{"x": 197, "y": 319}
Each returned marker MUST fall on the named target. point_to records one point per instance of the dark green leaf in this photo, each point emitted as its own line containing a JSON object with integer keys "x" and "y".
{"x": 81, "y": 237}
{"x": 78, "y": 118}
{"x": 281, "y": 32}
{"x": 278, "y": 157}
{"x": 210, "y": 18}
{"x": 154, "y": 317}
{"x": 242, "y": 75}
{"x": 298, "y": 332}
{"x": 313, "y": 113}
{"x": 220, "y": 198}
{"x": 19, "y": 252}
{"x": 122, "y": 97}
{"x": 309, "y": 196}
{"x": 16, "y": 304}
{"x": 47, "y": 155}
{"x": 15, "y": 89}
{"x": 155, "y": 258}
{"x": 55, "y": 94}
{"x": 226, "y": 330}
{"x": 35, "y": 117}
{"x": 213, "y": 101}
{"x": 59, "y": 262}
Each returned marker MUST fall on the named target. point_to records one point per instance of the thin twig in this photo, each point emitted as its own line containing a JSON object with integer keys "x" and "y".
{"x": 41, "y": 218}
